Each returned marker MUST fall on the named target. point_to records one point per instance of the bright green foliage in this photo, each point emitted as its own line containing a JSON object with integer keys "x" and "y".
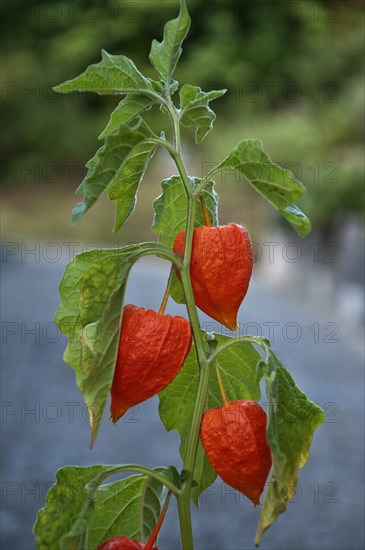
{"x": 114, "y": 74}
{"x": 118, "y": 168}
{"x": 130, "y": 507}
{"x": 165, "y": 55}
{"x": 129, "y": 108}
{"x": 293, "y": 419}
{"x": 76, "y": 519}
{"x": 277, "y": 185}
{"x": 241, "y": 379}
{"x": 65, "y": 509}
{"x": 123, "y": 188}
{"x": 195, "y": 110}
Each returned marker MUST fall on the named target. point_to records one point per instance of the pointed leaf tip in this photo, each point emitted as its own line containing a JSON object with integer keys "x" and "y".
{"x": 292, "y": 418}
{"x": 114, "y": 74}
{"x": 165, "y": 55}
{"x": 273, "y": 182}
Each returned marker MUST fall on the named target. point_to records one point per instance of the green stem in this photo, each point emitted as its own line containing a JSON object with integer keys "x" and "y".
{"x": 159, "y": 250}
{"x": 93, "y": 486}
{"x": 200, "y": 401}
{"x": 263, "y": 343}
{"x": 206, "y": 178}
{"x": 186, "y": 531}
{"x": 163, "y": 143}
{"x": 167, "y": 292}
{"x": 186, "y": 283}
{"x": 176, "y": 123}
{"x": 184, "y": 177}
{"x": 175, "y": 154}
{"x": 204, "y": 366}
{"x": 203, "y": 183}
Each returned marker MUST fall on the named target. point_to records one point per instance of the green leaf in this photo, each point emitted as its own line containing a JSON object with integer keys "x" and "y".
{"x": 298, "y": 219}
{"x": 65, "y": 502}
{"x": 114, "y": 74}
{"x": 92, "y": 291}
{"x": 277, "y": 185}
{"x": 165, "y": 55}
{"x": 293, "y": 418}
{"x": 124, "y": 185}
{"x": 117, "y": 166}
{"x": 170, "y": 217}
{"x": 171, "y": 208}
{"x": 130, "y": 107}
{"x": 130, "y": 507}
{"x": 195, "y": 110}
{"x": 241, "y": 379}
{"x": 74, "y": 520}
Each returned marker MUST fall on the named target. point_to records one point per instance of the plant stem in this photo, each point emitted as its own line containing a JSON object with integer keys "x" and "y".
{"x": 186, "y": 283}
{"x": 200, "y": 401}
{"x": 208, "y": 223}
{"x": 206, "y": 178}
{"x": 167, "y": 293}
{"x": 176, "y": 132}
{"x": 92, "y": 487}
{"x": 221, "y": 387}
{"x": 186, "y": 531}
{"x": 159, "y": 250}
{"x": 201, "y": 353}
{"x": 190, "y": 457}
{"x": 175, "y": 154}
{"x": 258, "y": 340}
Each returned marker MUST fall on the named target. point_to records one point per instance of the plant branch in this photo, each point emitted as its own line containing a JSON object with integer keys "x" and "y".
{"x": 161, "y": 251}
{"x": 205, "y": 180}
{"x": 204, "y": 367}
{"x": 167, "y": 293}
{"x": 176, "y": 124}
{"x": 263, "y": 343}
{"x": 186, "y": 531}
{"x": 93, "y": 486}
{"x": 176, "y": 156}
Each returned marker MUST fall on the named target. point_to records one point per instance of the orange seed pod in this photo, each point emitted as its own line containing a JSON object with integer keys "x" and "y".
{"x": 152, "y": 349}
{"x": 220, "y": 269}
{"x": 234, "y": 438}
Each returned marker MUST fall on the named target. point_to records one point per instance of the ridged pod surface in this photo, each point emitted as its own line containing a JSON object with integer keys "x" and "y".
{"x": 152, "y": 349}
{"x": 123, "y": 543}
{"x": 220, "y": 269}
{"x": 234, "y": 438}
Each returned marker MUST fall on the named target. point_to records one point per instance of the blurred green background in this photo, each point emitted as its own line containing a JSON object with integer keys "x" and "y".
{"x": 295, "y": 78}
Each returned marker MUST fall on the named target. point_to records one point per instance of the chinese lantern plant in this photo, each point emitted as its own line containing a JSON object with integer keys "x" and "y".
{"x": 132, "y": 353}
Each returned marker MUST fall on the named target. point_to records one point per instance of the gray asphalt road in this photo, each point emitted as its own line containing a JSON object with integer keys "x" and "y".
{"x": 44, "y": 425}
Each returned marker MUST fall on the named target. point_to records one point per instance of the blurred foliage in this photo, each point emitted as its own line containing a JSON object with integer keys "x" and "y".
{"x": 293, "y": 69}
